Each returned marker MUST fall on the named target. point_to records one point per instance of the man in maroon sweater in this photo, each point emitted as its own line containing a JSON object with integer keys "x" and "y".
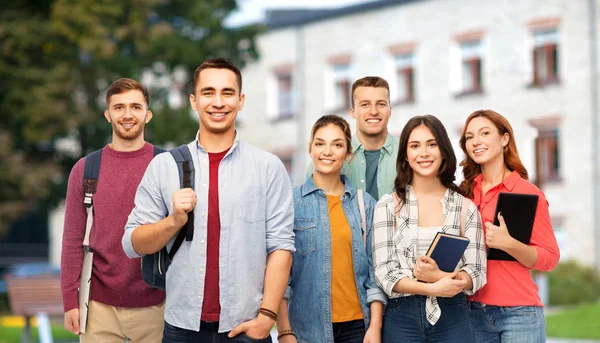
{"x": 122, "y": 306}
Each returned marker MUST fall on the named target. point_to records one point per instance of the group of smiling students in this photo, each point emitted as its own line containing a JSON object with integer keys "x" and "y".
{"x": 363, "y": 277}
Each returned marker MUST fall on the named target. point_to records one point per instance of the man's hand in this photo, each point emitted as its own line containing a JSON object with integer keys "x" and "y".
{"x": 497, "y": 236}
{"x": 427, "y": 270}
{"x": 184, "y": 201}
{"x": 373, "y": 335}
{"x": 72, "y": 321}
{"x": 257, "y": 328}
{"x": 288, "y": 339}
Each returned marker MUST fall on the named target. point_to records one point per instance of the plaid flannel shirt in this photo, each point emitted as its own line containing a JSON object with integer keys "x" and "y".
{"x": 395, "y": 243}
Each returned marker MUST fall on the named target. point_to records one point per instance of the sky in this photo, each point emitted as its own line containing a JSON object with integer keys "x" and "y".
{"x": 251, "y": 11}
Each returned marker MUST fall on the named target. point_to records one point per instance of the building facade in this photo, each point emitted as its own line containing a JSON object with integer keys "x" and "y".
{"x": 530, "y": 60}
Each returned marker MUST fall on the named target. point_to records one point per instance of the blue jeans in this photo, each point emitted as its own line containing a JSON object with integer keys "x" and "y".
{"x": 208, "y": 334}
{"x": 349, "y": 332}
{"x": 507, "y": 324}
{"x": 405, "y": 321}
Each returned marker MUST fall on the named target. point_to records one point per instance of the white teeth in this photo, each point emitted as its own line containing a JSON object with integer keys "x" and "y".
{"x": 425, "y": 164}
{"x": 478, "y": 151}
{"x": 218, "y": 115}
{"x": 373, "y": 121}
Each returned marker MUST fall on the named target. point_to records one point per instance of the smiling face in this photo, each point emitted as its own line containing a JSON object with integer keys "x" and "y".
{"x": 372, "y": 111}
{"x": 329, "y": 150}
{"x": 483, "y": 141}
{"x": 422, "y": 153}
{"x": 217, "y": 100}
{"x": 128, "y": 114}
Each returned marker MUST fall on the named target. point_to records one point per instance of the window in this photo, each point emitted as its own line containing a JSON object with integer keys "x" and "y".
{"x": 561, "y": 237}
{"x": 341, "y": 74}
{"x": 545, "y": 57}
{"x": 471, "y": 66}
{"x": 405, "y": 80}
{"x": 547, "y": 155}
{"x": 285, "y": 96}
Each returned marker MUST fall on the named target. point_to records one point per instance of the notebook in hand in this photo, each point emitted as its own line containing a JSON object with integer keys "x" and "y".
{"x": 447, "y": 250}
{"x": 518, "y": 211}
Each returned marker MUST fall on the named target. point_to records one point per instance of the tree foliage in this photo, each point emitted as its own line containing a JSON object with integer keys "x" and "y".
{"x": 58, "y": 56}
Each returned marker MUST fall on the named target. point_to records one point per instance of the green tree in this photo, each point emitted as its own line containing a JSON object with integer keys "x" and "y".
{"x": 58, "y": 56}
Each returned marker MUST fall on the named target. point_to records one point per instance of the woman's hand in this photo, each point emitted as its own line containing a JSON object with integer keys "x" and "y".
{"x": 373, "y": 335}
{"x": 427, "y": 270}
{"x": 447, "y": 286}
{"x": 497, "y": 236}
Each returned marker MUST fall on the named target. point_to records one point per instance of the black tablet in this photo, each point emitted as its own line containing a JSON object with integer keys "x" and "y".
{"x": 518, "y": 211}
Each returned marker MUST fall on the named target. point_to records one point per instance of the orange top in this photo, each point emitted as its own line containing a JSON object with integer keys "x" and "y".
{"x": 345, "y": 305}
{"x": 509, "y": 283}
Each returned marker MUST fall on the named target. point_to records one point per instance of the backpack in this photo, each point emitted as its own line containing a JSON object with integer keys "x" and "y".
{"x": 154, "y": 266}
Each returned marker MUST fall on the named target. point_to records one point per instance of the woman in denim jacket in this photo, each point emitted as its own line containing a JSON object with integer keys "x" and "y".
{"x": 332, "y": 294}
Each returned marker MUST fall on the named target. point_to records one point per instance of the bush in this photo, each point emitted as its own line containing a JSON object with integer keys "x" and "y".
{"x": 572, "y": 283}
{"x": 4, "y": 308}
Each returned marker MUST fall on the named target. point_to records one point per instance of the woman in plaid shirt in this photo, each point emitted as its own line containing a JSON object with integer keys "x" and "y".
{"x": 426, "y": 304}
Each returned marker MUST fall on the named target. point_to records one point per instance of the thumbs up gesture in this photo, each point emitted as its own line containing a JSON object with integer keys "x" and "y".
{"x": 497, "y": 236}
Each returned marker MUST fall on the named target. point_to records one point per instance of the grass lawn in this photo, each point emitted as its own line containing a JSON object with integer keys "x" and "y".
{"x": 578, "y": 322}
{"x": 13, "y": 335}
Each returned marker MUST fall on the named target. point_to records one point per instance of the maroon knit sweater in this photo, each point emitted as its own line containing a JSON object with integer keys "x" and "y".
{"x": 116, "y": 279}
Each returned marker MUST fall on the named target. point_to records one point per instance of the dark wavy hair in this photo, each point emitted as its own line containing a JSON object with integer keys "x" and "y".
{"x": 511, "y": 154}
{"x": 448, "y": 166}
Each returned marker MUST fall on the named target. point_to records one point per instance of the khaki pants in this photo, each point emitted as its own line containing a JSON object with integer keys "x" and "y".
{"x": 108, "y": 324}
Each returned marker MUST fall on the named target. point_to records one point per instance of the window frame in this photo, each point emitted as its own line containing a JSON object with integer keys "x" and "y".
{"x": 288, "y": 113}
{"x": 341, "y": 81}
{"x": 407, "y": 69}
{"x": 475, "y": 64}
{"x": 549, "y": 51}
{"x": 547, "y": 155}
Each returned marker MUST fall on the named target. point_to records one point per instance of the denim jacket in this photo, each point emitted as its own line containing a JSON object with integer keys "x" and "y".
{"x": 309, "y": 289}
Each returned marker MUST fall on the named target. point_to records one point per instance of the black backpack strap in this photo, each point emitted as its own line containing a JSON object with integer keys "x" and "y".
{"x": 185, "y": 166}
{"x": 182, "y": 156}
{"x": 91, "y": 170}
{"x": 158, "y": 150}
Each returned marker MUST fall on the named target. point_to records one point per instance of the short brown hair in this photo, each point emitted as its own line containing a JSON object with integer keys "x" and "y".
{"x": 123, "y": 85}
{"x": 370, "y": 81}
{"x": 217, "y": 63}
{"x": 334, "y": 120}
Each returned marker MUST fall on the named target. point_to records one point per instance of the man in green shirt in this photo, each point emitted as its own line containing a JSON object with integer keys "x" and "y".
{"x": 372, "y": 166}
{"x": 374, "y": 151}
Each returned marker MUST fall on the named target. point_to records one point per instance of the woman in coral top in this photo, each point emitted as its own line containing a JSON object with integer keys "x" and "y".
{"x": 508, "y": 308}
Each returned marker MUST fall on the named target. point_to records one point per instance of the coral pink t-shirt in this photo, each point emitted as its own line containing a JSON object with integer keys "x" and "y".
{"x": 509, "y": 283}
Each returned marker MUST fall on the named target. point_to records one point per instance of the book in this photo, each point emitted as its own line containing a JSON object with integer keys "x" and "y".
{"x": 518, "y": 211}
{"x": 447, "y": 250}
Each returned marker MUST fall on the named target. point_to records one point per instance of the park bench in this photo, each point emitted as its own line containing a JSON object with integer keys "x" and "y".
{"x": 35, "y": 295}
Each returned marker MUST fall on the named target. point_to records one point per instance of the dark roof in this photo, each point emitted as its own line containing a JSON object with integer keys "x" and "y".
{"x": 277, "y": 19}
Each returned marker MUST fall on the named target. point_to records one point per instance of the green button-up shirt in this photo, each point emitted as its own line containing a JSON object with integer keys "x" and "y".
{"x": 356, "y": 169}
